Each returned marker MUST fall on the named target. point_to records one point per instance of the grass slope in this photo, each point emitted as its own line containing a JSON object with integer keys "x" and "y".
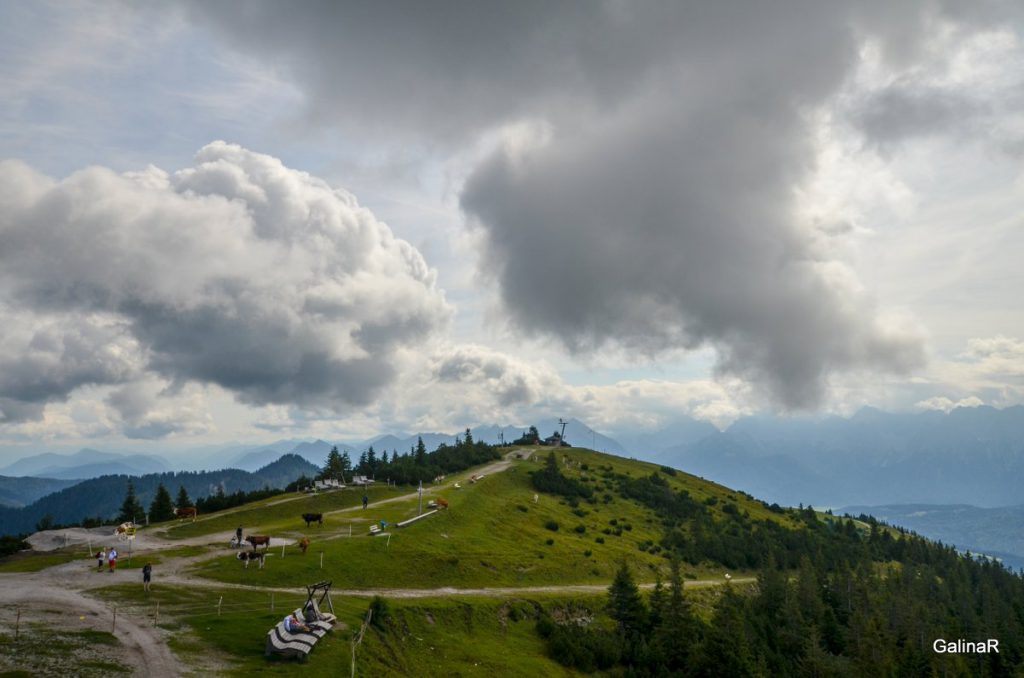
{"x": 494, "y": 534}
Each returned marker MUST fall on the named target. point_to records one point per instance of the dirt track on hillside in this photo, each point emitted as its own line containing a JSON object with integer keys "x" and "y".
{"x": 143, "y": 647}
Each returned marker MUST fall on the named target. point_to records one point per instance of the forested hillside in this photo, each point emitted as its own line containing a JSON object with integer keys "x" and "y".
{"x": 102, "y": 497}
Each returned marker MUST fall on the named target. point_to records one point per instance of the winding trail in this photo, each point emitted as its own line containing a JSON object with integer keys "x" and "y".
{"x": 145, "y": 648}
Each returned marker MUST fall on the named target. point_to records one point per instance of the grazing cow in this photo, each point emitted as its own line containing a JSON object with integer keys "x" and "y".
{"x": 247, "y": 557}
{"x": 186, "y": 512}
{"x": 121, "y": 532}
{"x": 313, "y": 518}
{"x": 304, "y": 544}
{"x": 442, "y": 503}
{"x": 261, "y": 540}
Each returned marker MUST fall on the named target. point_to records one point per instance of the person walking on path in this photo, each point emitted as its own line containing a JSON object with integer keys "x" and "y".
{"x": 238, "y": 537}
{"x": 101, "y": 557}
{"x": 147, "y": 575}
{"x": 112, "y": 559}
{"x": 366, "y": 500}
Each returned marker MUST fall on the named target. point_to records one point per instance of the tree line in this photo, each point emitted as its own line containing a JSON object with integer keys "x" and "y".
{"x": 832, "y": 599}
{"x": 415, "y": 466}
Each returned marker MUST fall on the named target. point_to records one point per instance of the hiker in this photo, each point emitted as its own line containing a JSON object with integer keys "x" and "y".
{"x": 147, "y": 575}
{"x": 293, "y": 625}
{"x": 101, "y": 557}
{"x": 112, "y": 559}
{"x": 238, "y": 536}
{"x": 366, "y": 500}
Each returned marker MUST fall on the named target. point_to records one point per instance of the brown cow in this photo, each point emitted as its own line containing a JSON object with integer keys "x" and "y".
{"x": 304, "y": 544}
{"x": 186, "y": 512}
{"x": 442, "y": 503}
{"x": 258, "y": 540}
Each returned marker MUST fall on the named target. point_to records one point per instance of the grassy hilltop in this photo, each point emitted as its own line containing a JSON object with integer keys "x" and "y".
{"x": 511, "y": 580}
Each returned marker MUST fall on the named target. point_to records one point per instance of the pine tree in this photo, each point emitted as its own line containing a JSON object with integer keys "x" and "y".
{"x": 676, "y": 635}
{"x": 161, "y": 509}
{"x": 469, "y": 438}
{"x": 371, "y": 461}
{"x": 335, "y": 465}
{"x": 625, "y": 605}
{"x": 384, "y": 458}
{"x": 131, "y": 510}
{"x": 421, "y": 452}
{"x": 362, "y": 465}
{"x": 184, "y": 500}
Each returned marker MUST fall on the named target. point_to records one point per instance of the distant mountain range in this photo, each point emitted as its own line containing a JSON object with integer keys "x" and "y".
{"x": 969, "y": 456}
{"x": 86, "y": 463}
{"x": 102, "y": 497}
{"x": 997, "y": 532}
{"x": 18, "y": 492}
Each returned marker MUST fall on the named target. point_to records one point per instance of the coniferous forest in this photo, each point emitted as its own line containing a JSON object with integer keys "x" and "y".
{"x": 835, "y": 596}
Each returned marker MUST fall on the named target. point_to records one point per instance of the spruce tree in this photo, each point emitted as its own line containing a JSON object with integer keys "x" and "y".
{"x": 332, "y": 465}
{"x": 676, "y": 635}
{"x": 131, "y": 510}
{"x": 161, "y": 509}
{"x": 421, "y": 452}
{"x": 625, "y": 605}
{"x": 184, "y": 501}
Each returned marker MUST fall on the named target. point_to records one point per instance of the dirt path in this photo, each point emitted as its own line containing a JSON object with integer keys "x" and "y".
{"x": 50, "y": 597}
{"x": 65, "y": 587}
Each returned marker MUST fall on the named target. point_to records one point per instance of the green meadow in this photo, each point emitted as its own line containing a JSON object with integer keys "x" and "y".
{"x": 493, "y": 534}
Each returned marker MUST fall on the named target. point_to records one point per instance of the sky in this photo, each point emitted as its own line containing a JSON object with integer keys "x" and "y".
{"x": 251, "y": 221}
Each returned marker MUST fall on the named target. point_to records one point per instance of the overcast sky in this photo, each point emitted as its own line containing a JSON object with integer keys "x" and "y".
{"x": 248, "y": 221}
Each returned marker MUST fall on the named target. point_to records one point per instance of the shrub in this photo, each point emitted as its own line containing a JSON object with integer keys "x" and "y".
{"x": 549, "y": 542}
{"x": 580, "y": 529}
{"x": 588, "y": 553}
{"x": 381, "y": 612}
{"x": 522, "y": 508}
{"x": 668, "y": 470}
{"x": 551, "y": 525}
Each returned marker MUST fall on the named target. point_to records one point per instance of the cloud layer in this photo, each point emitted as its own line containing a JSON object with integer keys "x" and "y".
{"x": 237, "y": 271}
{"x": 643, "y": 191}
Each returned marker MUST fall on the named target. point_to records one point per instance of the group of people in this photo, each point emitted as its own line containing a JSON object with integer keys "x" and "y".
{"x": 110, "y": 558}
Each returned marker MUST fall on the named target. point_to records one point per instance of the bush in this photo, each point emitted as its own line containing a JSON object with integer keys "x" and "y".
{"x": 580, "y": 529}
{"x": 600, "y": 540}
{"x": 549, "y": 542}
{"x": 588, "y": 553}
{"x": 668, "y": 470}
{"x": 551, "y": 525}
{"x": 522, "y": 508}
{"x": 381, "y": 612}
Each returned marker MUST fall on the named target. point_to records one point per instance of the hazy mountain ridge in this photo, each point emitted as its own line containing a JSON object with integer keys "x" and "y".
{"x": 993, "y": 531}
{"x": 103, "y": 496}
{"x": 86, "y": 463}
{"x": 970, "y": 456}
{"x": 18, "y": 492}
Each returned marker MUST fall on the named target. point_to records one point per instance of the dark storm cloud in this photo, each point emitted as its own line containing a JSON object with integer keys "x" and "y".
{"x": 647, "y": 197}
{"x": 237, "y": 271}
{"x": 907, "y": 110}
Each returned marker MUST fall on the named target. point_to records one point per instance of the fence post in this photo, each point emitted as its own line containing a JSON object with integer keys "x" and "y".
{"x": 282, "y": 550}
{"x": 218, "y": 605}
{"x": 321, "y": 560}
{"x": 350, "y": 530}
{"x": 271, "y": 601}
{"x": 156, "y": 618}
{"x": 17, "y": 622}
{"x": 113, "y": 624}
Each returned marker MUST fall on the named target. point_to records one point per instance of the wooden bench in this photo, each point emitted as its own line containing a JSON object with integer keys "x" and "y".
{"x": 299, "y": 644}
{"x": 375, "y": 529}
